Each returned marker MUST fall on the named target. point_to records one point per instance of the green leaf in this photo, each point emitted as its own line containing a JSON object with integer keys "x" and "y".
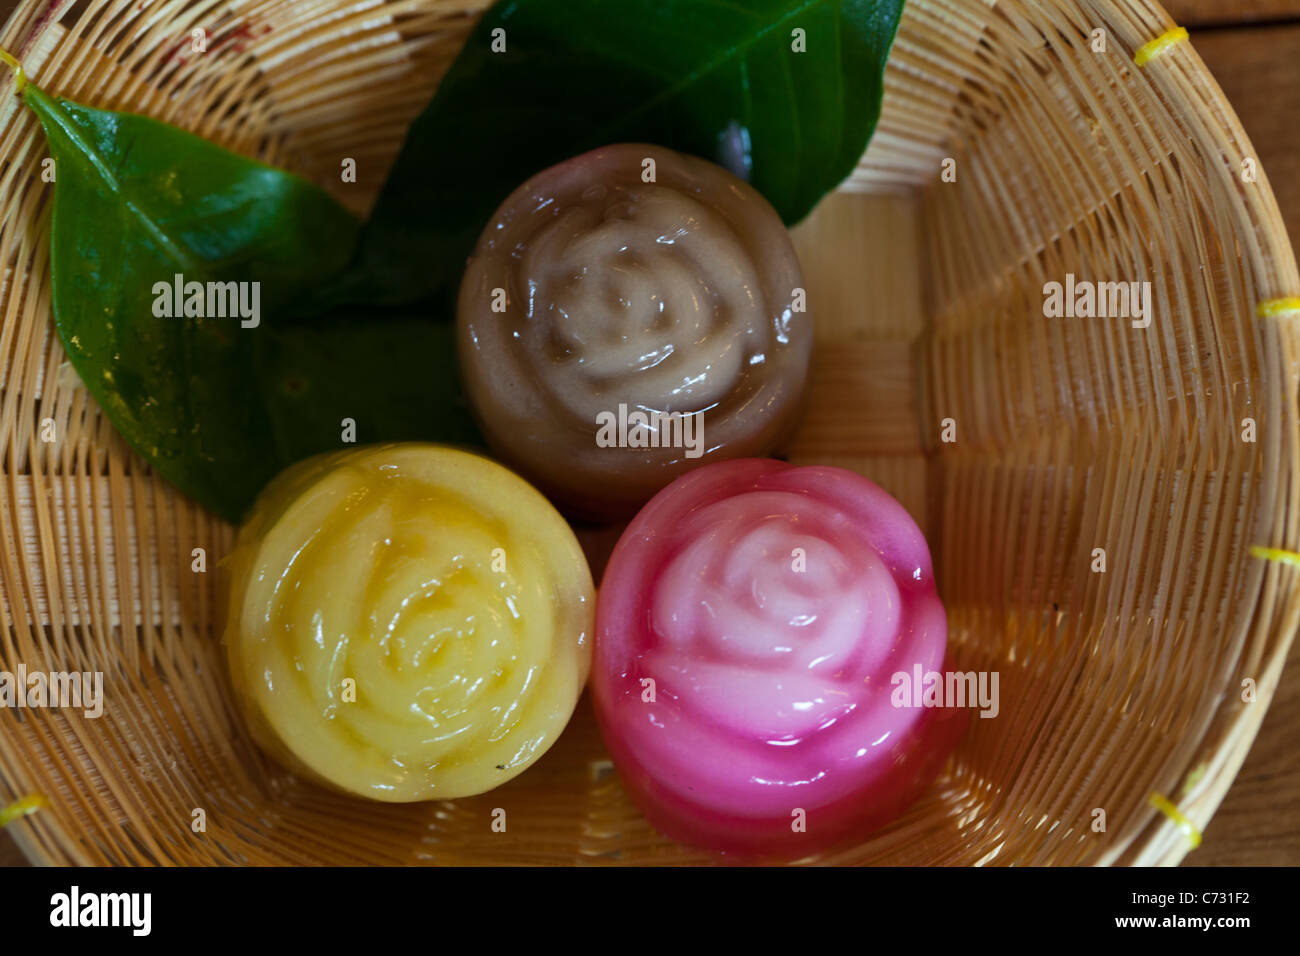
{"x": 203, "y": 398}
{"x": 395, "y": 376}
{"x": 581, "y": 74}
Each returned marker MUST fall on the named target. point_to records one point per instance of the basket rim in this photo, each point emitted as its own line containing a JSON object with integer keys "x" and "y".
{"x": 1211, "y": 770}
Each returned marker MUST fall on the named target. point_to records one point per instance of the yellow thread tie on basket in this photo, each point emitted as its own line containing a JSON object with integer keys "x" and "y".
{"x": 1194, "y": 778}
{"x": 1273, "y": 308}
{"x": 1161, "y": 44}
{"x": 1280, "y": 555}
{"x": 20, "y": 78}
{"x": 20, "y": 808}
{"x": 1173, "y": 813}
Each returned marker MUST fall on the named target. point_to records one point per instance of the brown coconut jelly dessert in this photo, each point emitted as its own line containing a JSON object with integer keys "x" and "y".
{"x": 627, "y": 315}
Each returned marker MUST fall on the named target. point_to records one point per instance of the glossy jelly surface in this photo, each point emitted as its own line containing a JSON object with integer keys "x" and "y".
{"x": 407, "y": 622}
{"x": 594, "y": 292}
{"x": 749, "y": 624}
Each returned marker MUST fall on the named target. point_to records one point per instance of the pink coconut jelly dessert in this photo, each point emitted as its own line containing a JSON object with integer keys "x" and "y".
{"x": 748, "y": 626}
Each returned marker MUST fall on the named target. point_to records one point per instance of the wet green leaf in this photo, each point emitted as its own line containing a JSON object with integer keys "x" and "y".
{"x": 203, "y": 396}
{"x": 575, "y": 75}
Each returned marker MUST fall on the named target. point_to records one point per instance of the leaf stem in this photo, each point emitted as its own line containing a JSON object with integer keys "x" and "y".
{"x": 20, "y": 78}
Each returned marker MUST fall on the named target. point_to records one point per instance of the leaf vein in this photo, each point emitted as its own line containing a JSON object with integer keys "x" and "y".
{"x": 70, "y": 128}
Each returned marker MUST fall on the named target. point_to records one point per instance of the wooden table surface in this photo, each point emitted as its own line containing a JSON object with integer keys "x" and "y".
{"x": 1253, "y": 49}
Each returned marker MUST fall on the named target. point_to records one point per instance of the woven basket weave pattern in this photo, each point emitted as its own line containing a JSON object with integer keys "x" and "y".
{"x": 1071, "y": 435}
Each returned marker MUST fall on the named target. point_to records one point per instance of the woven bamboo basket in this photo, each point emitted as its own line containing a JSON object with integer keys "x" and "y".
{"x": 1071, "y": 435}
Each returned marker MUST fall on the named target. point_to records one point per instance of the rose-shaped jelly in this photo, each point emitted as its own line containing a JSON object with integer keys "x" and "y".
{"x": 597, "y": 305}
{"x": 407, "y": 622}
{"x": 749, "y": 624}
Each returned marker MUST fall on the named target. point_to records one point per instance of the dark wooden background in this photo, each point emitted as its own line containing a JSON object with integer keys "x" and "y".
{"x": 1253, "y": 49}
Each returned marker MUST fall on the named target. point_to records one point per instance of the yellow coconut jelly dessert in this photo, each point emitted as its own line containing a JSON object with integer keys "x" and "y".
{"x": 407, "y": 622}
